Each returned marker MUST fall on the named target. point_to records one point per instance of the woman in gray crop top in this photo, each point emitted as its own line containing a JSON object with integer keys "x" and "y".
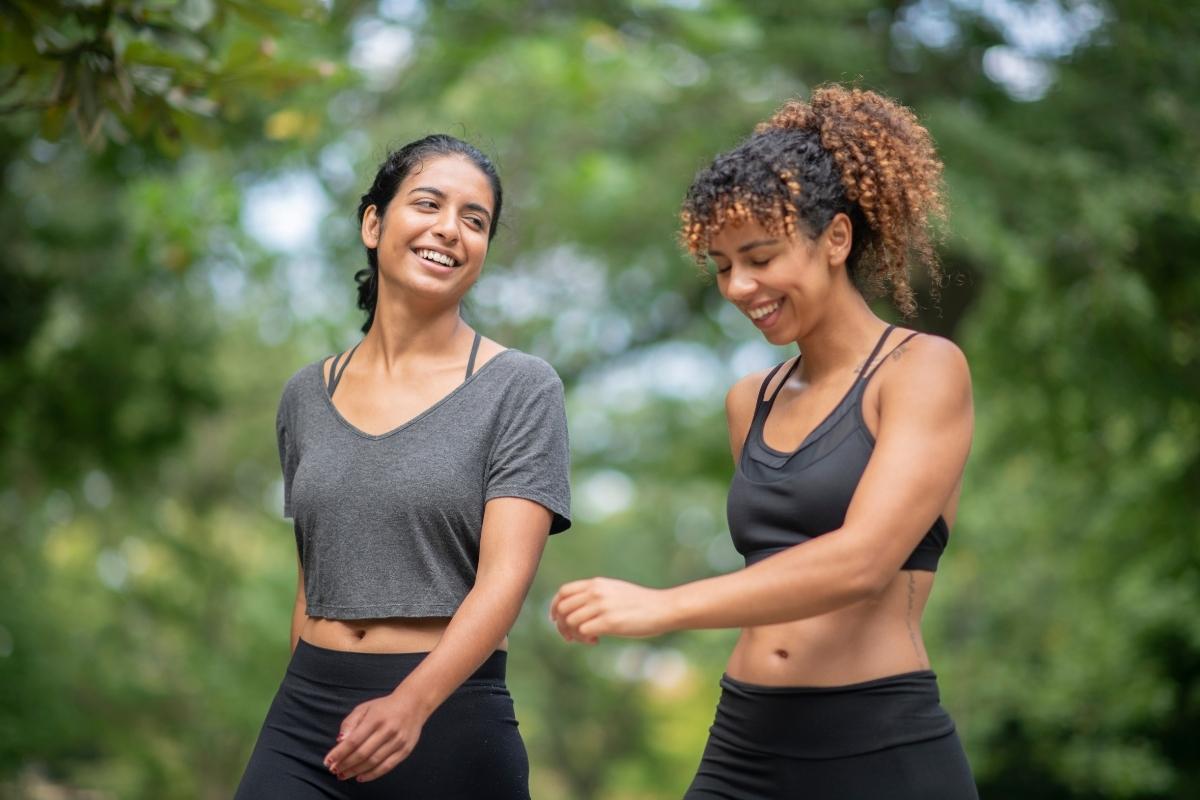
{"x": 423, "y": 470}
{"x": 848, "y": 464}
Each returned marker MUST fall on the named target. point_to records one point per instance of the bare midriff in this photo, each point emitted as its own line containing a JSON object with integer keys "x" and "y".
{"x": 416, "y": 635}
{"x": 870, "y": 639}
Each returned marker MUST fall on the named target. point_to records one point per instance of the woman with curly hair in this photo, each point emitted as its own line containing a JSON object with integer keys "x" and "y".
{"x": 848, "y": 465}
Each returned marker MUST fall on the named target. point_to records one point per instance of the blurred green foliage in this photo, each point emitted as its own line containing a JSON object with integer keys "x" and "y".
{"x": 179, "y": 181}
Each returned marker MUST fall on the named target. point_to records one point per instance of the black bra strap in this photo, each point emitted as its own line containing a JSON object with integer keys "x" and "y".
{"x": 335, "y": 374}
{"x": 474, "y": 350}
{"x": 903, "y": 342}
{"x": 329, "y": 383}
{"x": 762, "y": 391}
{"x": 864, "y": 375}
{"x": 786, "y": 376}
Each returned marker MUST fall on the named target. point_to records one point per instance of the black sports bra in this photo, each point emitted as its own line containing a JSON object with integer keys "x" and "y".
{"x": 778, "y": 500}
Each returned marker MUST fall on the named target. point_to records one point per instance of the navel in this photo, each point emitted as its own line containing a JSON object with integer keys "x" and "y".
{"x": 782, "y": 654}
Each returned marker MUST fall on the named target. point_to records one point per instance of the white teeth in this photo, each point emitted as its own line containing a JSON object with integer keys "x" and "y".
{"x": 762, "y": 311}
{"x": 440, "y": 258}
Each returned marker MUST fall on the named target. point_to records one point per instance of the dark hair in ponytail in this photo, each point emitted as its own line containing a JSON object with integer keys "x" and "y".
{"x": 398, "y": 165}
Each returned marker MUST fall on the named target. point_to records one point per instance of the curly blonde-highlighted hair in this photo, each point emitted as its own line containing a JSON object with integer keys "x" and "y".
{"x": 848, "y": 151}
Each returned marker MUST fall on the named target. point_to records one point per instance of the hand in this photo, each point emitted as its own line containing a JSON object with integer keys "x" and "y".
{"x": 588, "y": 609}
{"x": 375, "y": 737}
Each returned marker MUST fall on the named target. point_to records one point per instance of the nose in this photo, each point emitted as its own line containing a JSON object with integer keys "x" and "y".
{"x": 446, "y": 228}
{"x": 740, "y": 284}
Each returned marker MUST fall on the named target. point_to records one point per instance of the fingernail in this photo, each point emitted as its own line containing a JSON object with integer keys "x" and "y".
{"x": 341, "y": 736}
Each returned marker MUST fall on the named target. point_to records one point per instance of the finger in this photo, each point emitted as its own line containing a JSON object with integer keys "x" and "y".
{"x": 368, "y": 755}
{"x": 570, "y": 621}
{"x": 353, "y": 719}
{"x": 572, "y": 604}
{"x": 387, "y": 766}
{"x": 572, "y": 588}
{"x": 571, "y": 629}
{"x": 575, "y": 620}
{"x": 565, "y": 632}
{"x": 594, "y": 628}
{"x": 571, "y": 634}
{"x": 354, "y": 731}
{"x": 557, "y": 601}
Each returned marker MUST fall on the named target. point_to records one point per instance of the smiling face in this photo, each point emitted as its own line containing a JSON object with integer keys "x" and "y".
{"x": 783, "y": 284}
{"x": 433, "y": 237}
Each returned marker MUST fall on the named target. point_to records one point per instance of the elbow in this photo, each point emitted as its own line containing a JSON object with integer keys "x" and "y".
{"x": 867, "y": 576}
{"x": 865, "y": 583}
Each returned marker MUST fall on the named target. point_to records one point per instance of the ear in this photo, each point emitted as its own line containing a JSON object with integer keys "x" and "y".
{"x": 372, "y": 227}
{"x": 838, "y": 236}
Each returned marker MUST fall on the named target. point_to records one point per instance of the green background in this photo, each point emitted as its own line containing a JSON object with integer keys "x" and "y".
{"x": 177, "y": 237}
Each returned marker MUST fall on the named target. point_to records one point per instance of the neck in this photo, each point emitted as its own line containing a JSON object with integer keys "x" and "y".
{"x": 403, "y": 332}
{"x": 841, "y": 339}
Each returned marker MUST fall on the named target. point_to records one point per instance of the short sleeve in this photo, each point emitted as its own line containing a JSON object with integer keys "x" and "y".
{"x": 531, "y": 456}
{"x": 288, "y": 457}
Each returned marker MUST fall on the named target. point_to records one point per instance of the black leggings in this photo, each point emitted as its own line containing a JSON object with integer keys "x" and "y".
{"x": 886, "y": 738}
{"x": 469, "y": 748}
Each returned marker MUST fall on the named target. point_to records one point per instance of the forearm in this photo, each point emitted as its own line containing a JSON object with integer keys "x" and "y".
{"x": 476, "y": 630}
{"x": 511, "y": 543}
{"x": 810, "y": 579}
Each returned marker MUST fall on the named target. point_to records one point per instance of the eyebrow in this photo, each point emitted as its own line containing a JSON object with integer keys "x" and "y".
{"x": 438, "y": 193}
{"x": 747, "y": 246}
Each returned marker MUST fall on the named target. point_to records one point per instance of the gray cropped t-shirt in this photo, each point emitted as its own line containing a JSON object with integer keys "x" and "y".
{"x": 389, "y": 525}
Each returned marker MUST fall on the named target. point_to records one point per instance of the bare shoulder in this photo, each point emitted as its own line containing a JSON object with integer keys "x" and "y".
{"x": 524, "y": 362}
{"x": 930, "y": 368}
{"x": 740, "y": 400}
{"x": 743, "y": 395}
{"x": 739, "y": 409}
{"x": 488, "y": 349}
{"x": 929, "y": 355}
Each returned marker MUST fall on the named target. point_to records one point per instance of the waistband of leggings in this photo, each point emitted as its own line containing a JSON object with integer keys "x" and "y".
{"x": 375, "y": 670}
{"x": 831, "y": 721}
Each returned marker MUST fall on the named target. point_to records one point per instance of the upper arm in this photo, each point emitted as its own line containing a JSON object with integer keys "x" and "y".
{"x": 512, "y": 540}
{"x": 925, "y": 426}
{"x": 288, "y": 451}
{"x": 530, "y": 457}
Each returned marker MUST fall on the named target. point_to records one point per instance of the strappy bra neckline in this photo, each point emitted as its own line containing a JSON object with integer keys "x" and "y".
{"x": 754, "y": 437}
{"x": 764, "y": 405}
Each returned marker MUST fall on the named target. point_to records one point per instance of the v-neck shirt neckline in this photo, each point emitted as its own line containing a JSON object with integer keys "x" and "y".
{"x": 320, "y": 374}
